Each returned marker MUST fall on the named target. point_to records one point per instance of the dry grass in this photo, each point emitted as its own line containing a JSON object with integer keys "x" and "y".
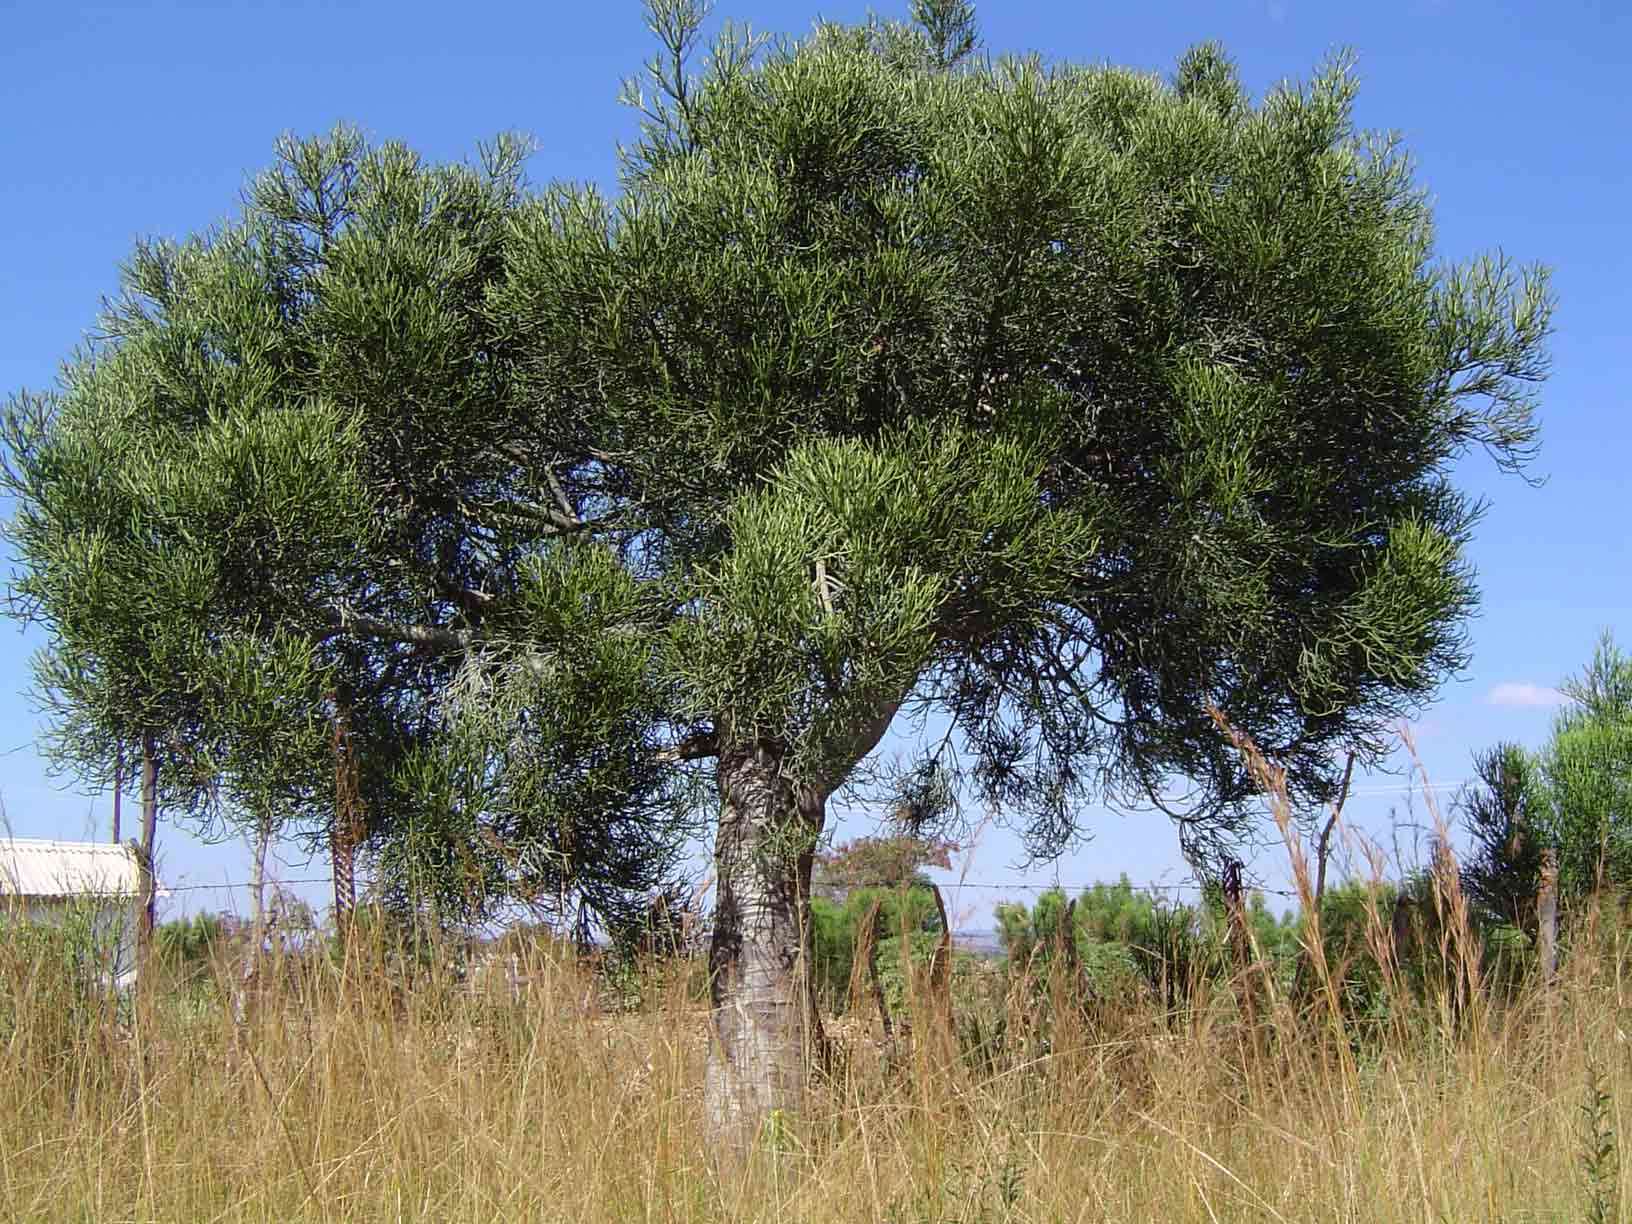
{"x": 343, "y": 1100}
{"x": 345, "y": 1096}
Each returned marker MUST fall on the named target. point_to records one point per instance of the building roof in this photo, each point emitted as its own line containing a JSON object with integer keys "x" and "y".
{"x": 39, "y": 867}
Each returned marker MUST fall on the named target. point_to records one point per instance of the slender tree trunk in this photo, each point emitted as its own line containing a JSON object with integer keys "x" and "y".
{"x": 257, "y": 883}
{"x": 766, "y": 1027}
{"x": 345, "y": 832}
{"x": 257, "y": 920}
{"x": 118, "y": 787}
{"x": 148, "y": 899}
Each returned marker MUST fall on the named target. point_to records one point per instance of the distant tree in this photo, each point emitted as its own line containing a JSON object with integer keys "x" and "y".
{"x": 1129, "y": 936}
{"x": 1587, "y": 767}
{"x": 904, "y": 909}
{"x": 187, "y": 946}
{"x": 883, "y": 862}
{"x": 1506, "y": 814}
{"x": 1573, "y": 796}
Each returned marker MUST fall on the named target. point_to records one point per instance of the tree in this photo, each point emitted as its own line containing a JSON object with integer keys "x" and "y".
{"x": 1587, "y": 764}
{"x": 848, "y": 881}
{"x": 881, "y": 862}
{"x": 1063, "y": 402}
{"x": 292, "y": 438}
{"x": 1505, "y": 815}
{"x": 1059, "y": 400}
{"x": 1573, "y": 797}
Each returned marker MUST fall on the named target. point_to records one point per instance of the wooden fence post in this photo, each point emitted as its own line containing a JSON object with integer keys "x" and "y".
{"x": 1067, "y": 935}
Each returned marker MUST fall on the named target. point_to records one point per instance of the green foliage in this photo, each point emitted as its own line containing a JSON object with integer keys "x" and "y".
{"x": 837, "y": 930}
{"x": 58, "y": 977}
{"x": 1600, "y": 1166}
{"x": 1505, "y": 814}
{"x": 1033, "y": 394}
{"x": 1129, "y": 940}
{"x": 1130, "y": 944}
{"x": 1587, "y": 765}
{"x": 1573, "y": 796}
{"x": 188, "y": 946}
{"x": 1062, "y": 401}
{"x": 289, "y": 486}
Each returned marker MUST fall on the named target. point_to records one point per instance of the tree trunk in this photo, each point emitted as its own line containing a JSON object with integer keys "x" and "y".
{"x": 148, "y": 900}
{"x": 257, "y": 920}
{"x": 257, "y": 884}
{"x": 765, "y": 1022}
{"x": 118, "y": 787}
{"x": 346, "y": 831}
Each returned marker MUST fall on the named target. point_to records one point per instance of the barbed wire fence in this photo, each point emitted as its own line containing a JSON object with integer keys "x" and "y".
{"x": 1016, "y": 885}
{"x": 1192, "y": 886}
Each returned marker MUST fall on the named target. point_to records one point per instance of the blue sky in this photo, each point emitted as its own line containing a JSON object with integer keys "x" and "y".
{"x": 141, "y": 119}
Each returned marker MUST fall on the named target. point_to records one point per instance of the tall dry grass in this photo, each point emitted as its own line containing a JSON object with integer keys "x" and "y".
{"x": 355, "y": 1089}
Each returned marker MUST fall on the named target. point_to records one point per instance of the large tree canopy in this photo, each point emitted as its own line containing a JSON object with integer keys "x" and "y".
{"x": 1062, "y": 398}
{"x": 1061, "y": 401}
{"x": 1065, "y": 401}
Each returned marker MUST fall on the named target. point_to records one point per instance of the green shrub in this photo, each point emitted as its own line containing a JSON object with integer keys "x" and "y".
{"x": 836, "y": 931}
{"x": 59, "y": 976}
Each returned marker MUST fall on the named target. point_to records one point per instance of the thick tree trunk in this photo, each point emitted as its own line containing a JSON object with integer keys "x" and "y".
{"x": 766, "y": 1027}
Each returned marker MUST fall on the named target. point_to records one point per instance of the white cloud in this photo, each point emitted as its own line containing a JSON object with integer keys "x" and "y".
{"x": 1512, "y": 693}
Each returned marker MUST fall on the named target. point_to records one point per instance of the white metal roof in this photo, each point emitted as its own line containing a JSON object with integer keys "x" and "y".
{"x": 39, "y": 867}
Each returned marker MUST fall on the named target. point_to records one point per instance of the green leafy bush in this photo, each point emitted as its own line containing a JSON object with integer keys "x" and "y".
{"x": 59, "y": 976}
{"x": 837, "y": 930}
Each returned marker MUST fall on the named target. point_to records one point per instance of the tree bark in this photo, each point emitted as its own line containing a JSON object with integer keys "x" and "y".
{"x": 118, "y": 787}
{"x": 765, "y": 1022}
{"x": 148, "y": 901}
{"x": 257, "y": 920}
{"x": 346, "y": 831}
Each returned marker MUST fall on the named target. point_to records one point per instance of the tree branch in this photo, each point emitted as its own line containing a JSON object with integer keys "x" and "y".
{"x": 695, "y": 747}
{"x": 435, "y": 637}
{"x": 468, "y": 598}
{"x": 440, "y": 639}
{"x": 1323, "y": 848}
{"x": 555, "y": 520}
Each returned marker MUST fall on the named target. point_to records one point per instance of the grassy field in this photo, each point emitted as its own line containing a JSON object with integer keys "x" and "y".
{"x": 345, "y": 1094}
